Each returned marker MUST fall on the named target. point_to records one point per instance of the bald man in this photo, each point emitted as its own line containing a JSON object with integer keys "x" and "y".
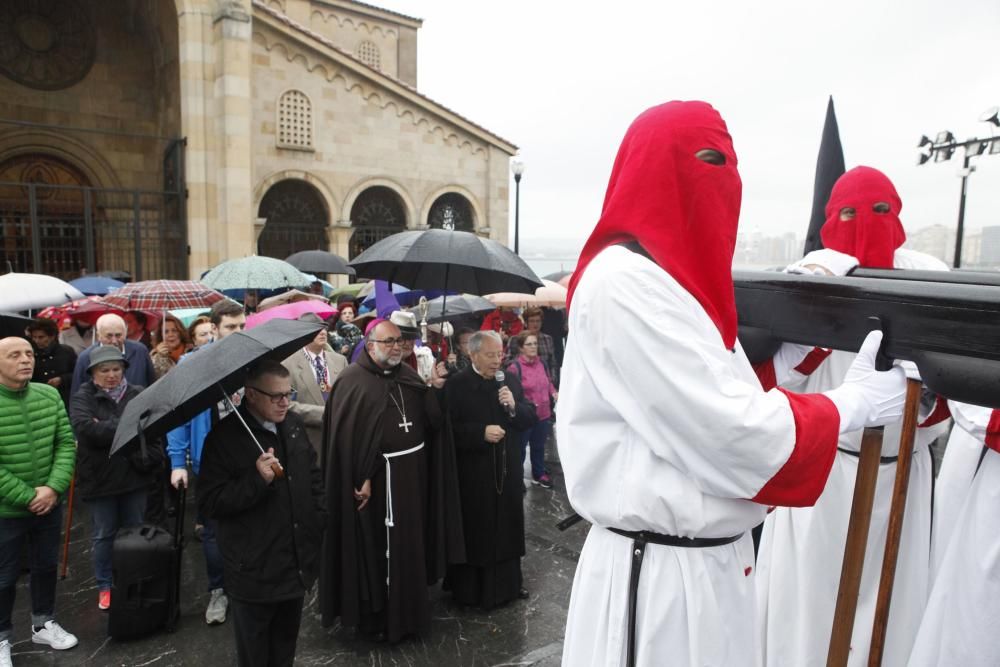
{"x": 111, "y": 330}
{"x": 37, "y": 455}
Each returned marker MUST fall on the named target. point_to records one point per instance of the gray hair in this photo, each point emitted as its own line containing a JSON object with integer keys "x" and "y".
{"x": 477, "y": 339}
{"x": 108, "y": 320}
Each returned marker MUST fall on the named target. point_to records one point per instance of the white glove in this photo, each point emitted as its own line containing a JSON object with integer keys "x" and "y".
{"x": 788, "y": 356}
{"x": 824, "y": 262}
{"x": 869, "y": 397}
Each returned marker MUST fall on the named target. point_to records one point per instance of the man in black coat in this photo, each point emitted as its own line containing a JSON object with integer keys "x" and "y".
{"x": 487, "y": 417}
{"x": 54, "y": 362}
{"x": 270, "y": 513}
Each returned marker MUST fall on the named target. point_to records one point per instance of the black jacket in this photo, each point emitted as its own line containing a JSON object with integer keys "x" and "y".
{"x": 95, "y": 416}
{"x": 269, "y": 534}
{"x": 56, "y": 361}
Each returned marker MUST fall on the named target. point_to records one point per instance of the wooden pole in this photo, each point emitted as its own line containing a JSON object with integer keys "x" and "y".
{"x": 895, "y": 529}
{"x": 854, "y": 548}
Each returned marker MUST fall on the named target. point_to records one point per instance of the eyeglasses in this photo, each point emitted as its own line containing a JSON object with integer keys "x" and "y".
{"x": 390, "y": 342}
{"x": 277, "y": 398}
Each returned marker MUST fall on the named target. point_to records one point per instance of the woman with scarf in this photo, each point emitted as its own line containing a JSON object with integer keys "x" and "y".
{"x": 538, "y": 388}
{"x": 169, "y": 345}
{"x": 115, "y": 487}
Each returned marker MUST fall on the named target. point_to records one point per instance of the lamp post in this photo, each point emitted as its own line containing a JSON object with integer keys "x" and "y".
{"x": 941, "y": 150}
{"x": 517, "y": 168}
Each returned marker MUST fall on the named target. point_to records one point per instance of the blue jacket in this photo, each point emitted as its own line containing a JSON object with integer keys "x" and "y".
{"x": 139, "y": 372}
{"x": 189, "y": 438}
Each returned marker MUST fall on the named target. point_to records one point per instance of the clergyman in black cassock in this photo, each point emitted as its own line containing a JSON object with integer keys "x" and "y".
{"x": 490, "y": 476}
{"x": 394, "y": 520}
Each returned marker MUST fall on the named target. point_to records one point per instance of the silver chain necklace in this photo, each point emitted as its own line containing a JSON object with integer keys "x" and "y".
{"x": 401, "y": 406}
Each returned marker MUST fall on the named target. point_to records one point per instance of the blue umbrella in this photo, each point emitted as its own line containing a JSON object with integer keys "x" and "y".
{"x": 96, "y": 285}
{"x": 406, "y": 296}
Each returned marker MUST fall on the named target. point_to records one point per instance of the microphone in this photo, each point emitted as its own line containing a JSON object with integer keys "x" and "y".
{"x": 499, "y": 377}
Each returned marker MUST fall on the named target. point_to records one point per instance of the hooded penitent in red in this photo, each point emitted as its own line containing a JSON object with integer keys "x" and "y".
{"x": 681, "y": 210}
{"x": 871, "y": 236}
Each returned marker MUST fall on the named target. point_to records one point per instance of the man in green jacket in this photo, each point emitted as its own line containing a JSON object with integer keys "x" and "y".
{"x": 37, "y": 455}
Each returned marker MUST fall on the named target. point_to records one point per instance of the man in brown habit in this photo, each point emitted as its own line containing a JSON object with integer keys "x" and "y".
{"x": 394, "y": 518}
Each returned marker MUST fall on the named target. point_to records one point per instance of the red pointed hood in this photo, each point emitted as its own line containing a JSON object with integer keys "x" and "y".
{"x": 683, "y": 211}
{"x": 871, "y": 236}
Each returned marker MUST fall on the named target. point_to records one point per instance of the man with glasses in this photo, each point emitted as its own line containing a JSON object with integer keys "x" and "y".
{"x": 269, "y": 510}
{"x": 393, "y": 497}
{"x": 111, "y": 330}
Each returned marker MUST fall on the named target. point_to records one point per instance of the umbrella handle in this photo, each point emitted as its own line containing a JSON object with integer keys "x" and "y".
{"x": 276, "y": 468}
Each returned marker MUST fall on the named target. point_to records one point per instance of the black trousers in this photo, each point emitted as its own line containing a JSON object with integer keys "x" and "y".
{"x": 266, "y": 633}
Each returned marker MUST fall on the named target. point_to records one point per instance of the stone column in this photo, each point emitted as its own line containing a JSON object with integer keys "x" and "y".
{"x": 231, "y": 27}
{"x": 196, "y": 60}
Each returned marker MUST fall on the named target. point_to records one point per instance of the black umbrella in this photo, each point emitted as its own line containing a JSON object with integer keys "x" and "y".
{"x": 12, "y": 324}
{"x": 446, "y": 260}
{"x": 319, "y": 261}
{"x": 215, "y": 373}
{"x": 457, "y": 306}
{"x": 557, "y": 276}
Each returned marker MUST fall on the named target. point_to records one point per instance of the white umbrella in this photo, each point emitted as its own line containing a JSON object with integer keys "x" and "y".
{"x": 550, "y": 294}
{"x": 33, "y": 291}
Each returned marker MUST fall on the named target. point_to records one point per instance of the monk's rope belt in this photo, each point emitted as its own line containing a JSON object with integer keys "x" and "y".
{"x": 883, "y": 459}
{"x": 640, "y": 539}
{"x": 390, "y": 520}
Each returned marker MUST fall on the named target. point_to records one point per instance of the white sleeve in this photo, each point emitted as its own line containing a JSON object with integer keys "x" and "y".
{"x": 660, "y": 363}
{"x": 836, "y": 263}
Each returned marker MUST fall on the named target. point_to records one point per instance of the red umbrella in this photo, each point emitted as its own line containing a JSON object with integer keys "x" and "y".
{"x": 88, "y": 309}
{"x": 159, "y": 295}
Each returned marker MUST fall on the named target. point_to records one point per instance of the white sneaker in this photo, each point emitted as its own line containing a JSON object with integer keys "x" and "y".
{"x": 218, "y": 604}
{"x": 53, "y": 635}
{"x": 5, "y": 660}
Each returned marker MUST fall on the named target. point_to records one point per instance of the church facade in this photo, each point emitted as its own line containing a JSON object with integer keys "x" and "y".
{"x": 160, "y": 137}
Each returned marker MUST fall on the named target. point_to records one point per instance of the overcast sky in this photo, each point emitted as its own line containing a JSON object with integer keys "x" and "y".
{"x": 563, "y": 80}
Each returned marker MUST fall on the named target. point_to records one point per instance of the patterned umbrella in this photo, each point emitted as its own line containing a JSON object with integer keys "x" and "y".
{"x": 163, "y": 295}
{"x": 255, "y": 272}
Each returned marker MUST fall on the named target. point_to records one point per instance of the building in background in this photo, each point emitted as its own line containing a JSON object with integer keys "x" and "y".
{"x": 161, "y": 137}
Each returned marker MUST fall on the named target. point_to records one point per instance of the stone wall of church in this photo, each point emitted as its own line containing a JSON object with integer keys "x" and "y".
{"x": 374, "y": 42}
{"x": 363, "y": 135}
{"x": 130, "y": 88}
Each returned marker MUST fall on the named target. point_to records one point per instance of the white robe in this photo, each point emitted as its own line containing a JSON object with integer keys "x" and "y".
{"x": 961, "y": 625}
{"x": 802, "y": 549}
{"x": 961, "y": 459}
{"x": 662, "y": 429}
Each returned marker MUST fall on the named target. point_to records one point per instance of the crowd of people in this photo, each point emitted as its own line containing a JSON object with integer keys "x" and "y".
{"x": 381, "y": 464}
{"x": 385, "y": 464}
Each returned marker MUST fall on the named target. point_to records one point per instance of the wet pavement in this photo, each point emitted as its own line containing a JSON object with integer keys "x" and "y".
{"x": 527, "y": 632}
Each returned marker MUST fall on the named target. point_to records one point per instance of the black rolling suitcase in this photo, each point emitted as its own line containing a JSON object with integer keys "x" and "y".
{"x": 146, "y": 573}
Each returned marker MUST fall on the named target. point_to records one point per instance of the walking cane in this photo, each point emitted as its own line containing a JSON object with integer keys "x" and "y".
{"x": 895, "y": 529}
{"x": 69, "y": 525}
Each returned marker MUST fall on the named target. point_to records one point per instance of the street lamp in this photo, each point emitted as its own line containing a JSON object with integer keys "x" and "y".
{"x": 941, "y": 150}
{"x": 517, "y": 168}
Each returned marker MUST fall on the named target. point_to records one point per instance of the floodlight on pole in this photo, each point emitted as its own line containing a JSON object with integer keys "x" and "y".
{"x": 942, "y": 149}
{"x": 517, "y": 168}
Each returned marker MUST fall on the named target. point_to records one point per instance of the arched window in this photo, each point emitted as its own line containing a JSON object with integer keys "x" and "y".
{"x": 451, "y": 211}
{"x": 296, "y": 219}
{"x": 295, "y": 121}
{"x": 376, "y": 213}
{"x": 369, "y": 54}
